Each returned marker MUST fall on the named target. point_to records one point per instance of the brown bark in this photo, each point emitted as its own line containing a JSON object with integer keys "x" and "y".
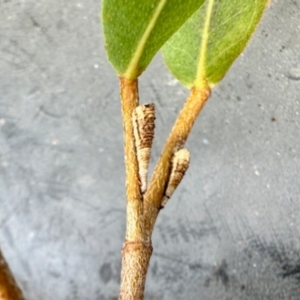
{"x": 176, "y": 140}
{"x": 135, "y": 261}
{"x": 134, "y": 225}
{"x": 143, "y": 211}
{"x": 136, "y": 253}
{"x": 9, "y": 289}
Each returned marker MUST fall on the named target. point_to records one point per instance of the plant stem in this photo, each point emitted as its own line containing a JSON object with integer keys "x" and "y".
{"x": 135, "y": 262}
{"x": 143, "y": 211}
{"x": 176, "y": 140}
{"x": 134, "y": 225}
{"x": 136, "y": 252}
{"x": 9, "y": 289}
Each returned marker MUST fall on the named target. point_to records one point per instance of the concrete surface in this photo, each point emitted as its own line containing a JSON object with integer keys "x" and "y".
{"x": 232, "y": 229}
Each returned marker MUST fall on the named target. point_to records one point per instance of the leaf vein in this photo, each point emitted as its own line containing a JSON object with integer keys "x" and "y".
{"x": 236, "y": 41}
{"x": 132, "y": 70}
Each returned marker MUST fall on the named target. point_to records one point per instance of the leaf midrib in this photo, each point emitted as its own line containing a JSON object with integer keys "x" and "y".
{"x": 132, "y": 69}
{"x": 200, "y": 80}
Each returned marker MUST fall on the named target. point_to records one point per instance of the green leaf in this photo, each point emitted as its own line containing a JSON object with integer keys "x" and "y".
{"x": 204, "y": 48}
{"x": 135, "y": 30}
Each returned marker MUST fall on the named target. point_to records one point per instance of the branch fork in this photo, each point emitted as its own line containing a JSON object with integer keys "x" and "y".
{"x": 144, "y": 203}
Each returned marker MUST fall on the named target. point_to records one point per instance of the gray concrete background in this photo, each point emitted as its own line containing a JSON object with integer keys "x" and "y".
{"x": 232, "y": 229}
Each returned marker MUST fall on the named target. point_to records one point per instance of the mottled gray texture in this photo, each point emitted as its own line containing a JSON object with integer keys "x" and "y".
{"x": 232, "y": 229}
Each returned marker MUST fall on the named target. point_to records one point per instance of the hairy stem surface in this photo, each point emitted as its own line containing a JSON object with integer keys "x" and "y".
{"x": 135, "y": 261}
{"x": 135, "y": 253}
{"x": 143, "y": 211}
{"x": 134, "y": 225}
{"x": 176, "y": 140}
